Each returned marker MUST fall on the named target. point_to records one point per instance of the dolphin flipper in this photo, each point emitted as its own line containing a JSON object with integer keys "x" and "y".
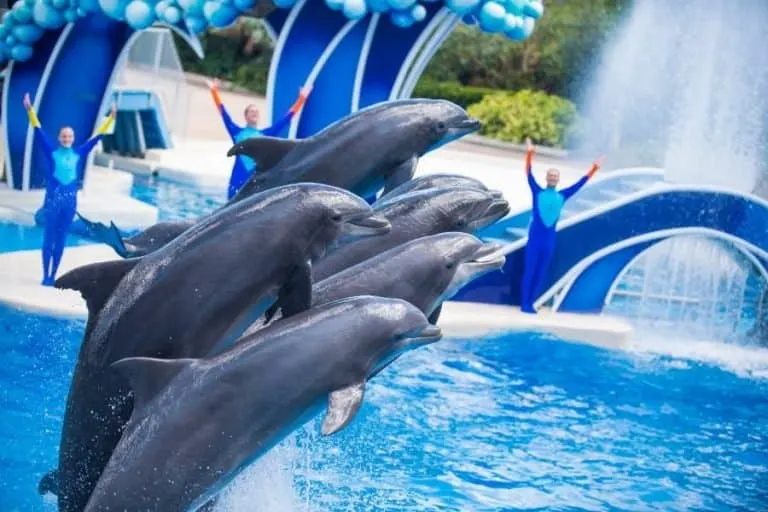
{"x": 435, "y": 315}
{"x": 296, "y": 294}
{"x": 109, "y": 235}
{"x": 96, "y": 281}
{"x": 343, "y": 405}
{"x": 49, "y": 483}
{"x": 400, "y": 174}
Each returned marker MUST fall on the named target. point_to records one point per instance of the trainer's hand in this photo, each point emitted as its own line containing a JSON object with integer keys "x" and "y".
{"x": 529, "y": 144}
{"x": 213, "y": 84}
{"x": 27, "y": 102}
{"x": 304, "y": 91}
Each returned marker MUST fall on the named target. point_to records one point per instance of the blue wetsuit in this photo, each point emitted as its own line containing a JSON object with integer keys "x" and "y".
{"x": 244, "y": 165}
{"x": 547, "y": 204}
{"x": 65, "y": 167}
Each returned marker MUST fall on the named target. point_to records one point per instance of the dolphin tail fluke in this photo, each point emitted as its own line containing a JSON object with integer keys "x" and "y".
{"x": 49, "y": 483}
{"x": 265, "y": 151}
{"x": 343, "y": 405}
{"x": 109, "y": 235}
{"x": 96, "y": 281}
{"x": 435, "y": 316}
{"x": 401, "y": 174}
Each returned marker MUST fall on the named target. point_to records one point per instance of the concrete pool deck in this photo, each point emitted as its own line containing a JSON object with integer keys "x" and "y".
{"x": 20, "y": 275}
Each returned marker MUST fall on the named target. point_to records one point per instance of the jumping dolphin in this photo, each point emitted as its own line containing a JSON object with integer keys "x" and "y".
{"x": 425, "y": 272}
{"x": 373, "y": 147}
{"x": 436, "y": 181}
{"x": 189, "y": 299}
{"x": 414, "y": 215}
{"x": 197, "y": 423}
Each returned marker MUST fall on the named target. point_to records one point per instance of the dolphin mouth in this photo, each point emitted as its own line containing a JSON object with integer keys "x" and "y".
{"x": 468, "y": 125}
{"x": 455, "y": 132}
{"x": 366, "y": 224}
{"x": 428, "y": 334}
{"x": 497, "y": 209}
{"x": 496, "y": 194}
{"x": 490, "y": 256}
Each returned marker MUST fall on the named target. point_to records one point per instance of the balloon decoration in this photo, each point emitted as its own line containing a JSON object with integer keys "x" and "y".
{"x": 24, "y": 24}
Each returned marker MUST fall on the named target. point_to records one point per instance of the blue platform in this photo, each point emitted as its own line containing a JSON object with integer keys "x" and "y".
{"x": 595, "y": 245}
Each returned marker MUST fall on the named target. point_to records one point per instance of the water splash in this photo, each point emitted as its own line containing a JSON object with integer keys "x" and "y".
{"x": 683, "y": 85}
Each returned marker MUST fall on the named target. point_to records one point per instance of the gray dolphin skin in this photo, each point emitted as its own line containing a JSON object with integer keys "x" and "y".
{"x": 198, "y": 423}
{"x": 414, "y": 215}
{"x": 190, "y": 298}
{"x": 435, "y": 181}
{"x": 425, "y": 272}
{"x": 141, "y": 244}
{"x": 375, "y": 147}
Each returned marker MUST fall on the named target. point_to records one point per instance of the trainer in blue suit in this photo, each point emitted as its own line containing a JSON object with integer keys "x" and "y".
{"x": 245, "y": 166}
{"x": 65, "y": 170}
{"x": 547, "y": 204}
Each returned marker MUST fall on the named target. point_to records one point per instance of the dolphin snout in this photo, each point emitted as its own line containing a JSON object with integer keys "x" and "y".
{"x": 496, "y": 194}
{"x": 469, "y": 125}
{"x": 428, "y": 334}
{"x": 367, "y": 224}
{"x": 235, "y": 150}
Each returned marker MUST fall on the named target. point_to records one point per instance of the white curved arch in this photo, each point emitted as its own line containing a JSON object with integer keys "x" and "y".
{"x": 430, "y": 48}
{"x": 564, "y": 284}
{"x": 279, "y": 45}
{"x": 50, "y": 63}
{"x": 4, "y": 125}
{"x": 414, "y": 51}
{"x": 362, "y": 61}
{"x": 318, "y": 67}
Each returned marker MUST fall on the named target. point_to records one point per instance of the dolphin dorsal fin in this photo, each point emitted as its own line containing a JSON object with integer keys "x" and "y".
{"x": 343, "y": 405}
{"x": 148, "y": 375}
{"x": 266, "y": 151}
{"x": 96, "y": 281}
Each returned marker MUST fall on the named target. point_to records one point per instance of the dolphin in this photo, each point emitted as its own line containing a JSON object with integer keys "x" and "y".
{"x": 425, "y": 272}
{"x": 141, "y": 244}
{"x": 436, "y": 181}
{"x": 198, "y": 422}
{"x": 414, "y": 215}
{"x": 375, "y": 147}
{"x": 190, "y": 298}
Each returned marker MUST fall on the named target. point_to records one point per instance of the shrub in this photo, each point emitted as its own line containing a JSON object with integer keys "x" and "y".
{"x": 451, "y": 91}
{"x": 548, "y": 120}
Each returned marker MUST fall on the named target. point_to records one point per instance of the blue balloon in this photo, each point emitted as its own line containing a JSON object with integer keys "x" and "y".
{"x": 378, "y": 5}
{"x": 29, "y": 3}
{"x": 10, "y": 41}
{"x": 401, "y": 19}
{"x": 70, "y": 15}
{"x": 60, "y": 4}
{"x": 193, "y": 8}
{"x": 27, "y": 33}
{"x": 418, "y": 13}
{"x": 401, "y": 5}
{"x": 160, "y": 7}
{"x": 21, "y": 52}
{"x": 219, "y": 15}
{"x": 528, "y": 25}
{"x": 515, "y": 6}
{"x": 172, "y": 15}
{"x": 513, "y": 27}
{"x": 355, "y": 9}
{"x": 284, "y": 4}
{"x": 492, "y": 17}
{"x": 335, "y": 5}
{"x": 9, "y": 19}
{"x": 139, "y": 15}
{"x": 46, "y": 16}
{"x": 534, "y": 9}
{"x": 88, "y": 6}
{"x": 243, "y": 5}
{"x": 194, "y": 24}
{"x": 462, "y": 7}
{"x": 113, "y": 8}
{"x": 22, "y": 13}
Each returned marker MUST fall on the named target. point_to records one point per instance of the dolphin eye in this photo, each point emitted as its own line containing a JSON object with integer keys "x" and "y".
{"x": 450, "y": 265}
{"x": 336, "y": 217}
{"x": 461, "y": 223}
{"x": 441, "y": 126}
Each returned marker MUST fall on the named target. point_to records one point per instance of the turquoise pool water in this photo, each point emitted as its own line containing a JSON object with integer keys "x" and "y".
{"x": 518, "y": 422}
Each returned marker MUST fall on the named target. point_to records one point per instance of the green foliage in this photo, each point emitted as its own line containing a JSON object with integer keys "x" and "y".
{"x": 547, "y": 119}
{"x": 451, "y": 91}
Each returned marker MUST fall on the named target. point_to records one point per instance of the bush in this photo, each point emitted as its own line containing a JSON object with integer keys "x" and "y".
{"x": 451, "y": 91}
{"x": 548, "y": 120}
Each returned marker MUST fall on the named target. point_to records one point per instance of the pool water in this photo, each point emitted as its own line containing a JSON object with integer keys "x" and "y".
{"x": 517, "y": 422}
{"x": 17, "y": 237}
